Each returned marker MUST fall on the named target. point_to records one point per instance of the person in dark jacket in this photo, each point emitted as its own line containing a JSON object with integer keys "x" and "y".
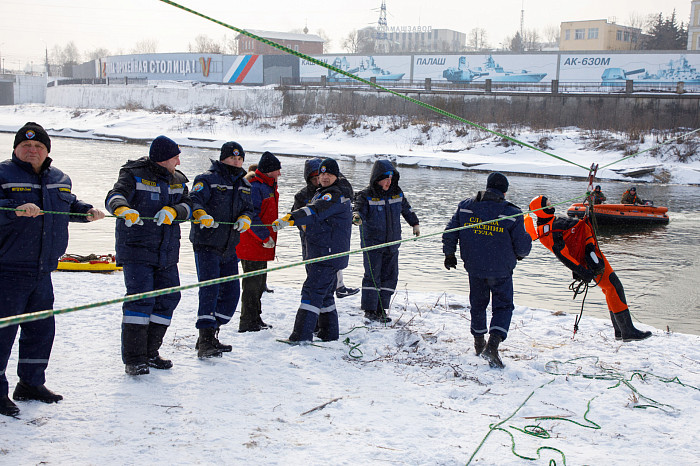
{"x": 378, "y": 209}
{"x": 304, "y": 195}
{"x": 257, "y": 244}
{"x": 630, "y": 197}
{"x": 328, "y": 221}
{"x": 489, "y": 252}
{"x": 222, "y": 209}
{"x": 564, "y": 237}
{"x": 31, "y": 242}
{"x": 149, "y": 250}
{"x": 598, "y": 196}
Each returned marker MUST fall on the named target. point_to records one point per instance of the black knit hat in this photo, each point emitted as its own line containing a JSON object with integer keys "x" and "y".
{"x": 268, "y": 163}
{"x": 163, "y": 148}
{"x": 329, "y": 166}
{"x": 32, "y": 132}
{"x": 231, "y": 148}
{"x": 497, "y": 181}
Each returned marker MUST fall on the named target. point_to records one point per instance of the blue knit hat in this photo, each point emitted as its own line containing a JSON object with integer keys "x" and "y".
{"x": 268, "y": 163}
{"x": 329, "y": 166}
{"x": 163, "y": 148}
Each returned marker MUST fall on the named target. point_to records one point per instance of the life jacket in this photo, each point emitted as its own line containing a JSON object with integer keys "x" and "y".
{"x": 576, "y": 238}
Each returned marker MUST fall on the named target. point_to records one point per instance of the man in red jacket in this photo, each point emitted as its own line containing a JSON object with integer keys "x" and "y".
{"x": 257, "y": 245}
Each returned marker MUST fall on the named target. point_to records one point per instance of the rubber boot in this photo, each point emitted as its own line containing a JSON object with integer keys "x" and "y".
{"x": 219, "y": 345}
{"x": 479, "y": 344}
{"x": 618, "y": 335}
{"x": 206, "y": 348}
{"x": 490, "y": 353}
{"x": 627, "y": 329}
{"x": 135, "y": 346}
{"x": 156, "y": 333}
{"x": 304, "y": 325}
{"x": 328, "y": 326}
{"x": 7, "y": 407}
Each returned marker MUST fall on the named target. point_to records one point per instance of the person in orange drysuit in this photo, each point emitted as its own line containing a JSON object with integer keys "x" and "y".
{"x": 574, "y": 244}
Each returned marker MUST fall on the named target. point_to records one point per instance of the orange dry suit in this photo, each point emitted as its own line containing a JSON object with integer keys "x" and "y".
{"x": 574, "y": 244}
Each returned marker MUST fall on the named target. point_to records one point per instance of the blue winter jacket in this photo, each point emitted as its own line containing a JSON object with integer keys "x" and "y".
{"x": 328, "y": 221}
{"x": 35, "y": 244}
{"x": 223, "y": 193}
{"x": 147, "y": 187}
{"x": 492, "y": 250}
{"x": 381, "y": 210}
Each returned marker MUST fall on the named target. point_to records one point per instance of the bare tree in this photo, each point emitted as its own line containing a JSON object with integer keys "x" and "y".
{"x": 351, "y": 42}
{"x": 96, "y": 54}
{"x": 531, "y": 40}
{"x": 230, "y": 45}
{"x": 146, "y": 46}
{"x": 326, "y": 40}
{"x": 66, "y": 55}
{"x": 476, "y": 40}
{"x": 551, "y": 34}
{"x": 205, "y": 44}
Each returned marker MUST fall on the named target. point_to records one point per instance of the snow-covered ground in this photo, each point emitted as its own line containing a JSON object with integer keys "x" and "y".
{"x": 412, "y": 392}
{"x": 364, "y": 139}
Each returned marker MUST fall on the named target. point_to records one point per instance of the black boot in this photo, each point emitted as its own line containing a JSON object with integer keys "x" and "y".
{"x": 136, "y": 369}
{"x": 479, "y": 344}
{"x": 490, "y": 353}
{"x": 627, "y": 329}
{"x": 328, "y": 326}
{"x": 219, "y": 345}
{"x": 7, "y": 407}
{"x": 616, "y": 328}
{"x": 206, "y": 347}
{"x": 26, "y": 392}
{"x": 304, "y": 326}
{"x": 135, "y": 345}
{"x": 156, "y": 333}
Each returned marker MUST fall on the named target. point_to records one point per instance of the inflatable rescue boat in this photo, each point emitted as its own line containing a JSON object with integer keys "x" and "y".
{"x": 90, "y": 263}
{"x": 623, "y": 214}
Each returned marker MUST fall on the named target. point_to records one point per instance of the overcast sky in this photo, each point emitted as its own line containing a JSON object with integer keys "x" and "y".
{"x": 27, "y": 27}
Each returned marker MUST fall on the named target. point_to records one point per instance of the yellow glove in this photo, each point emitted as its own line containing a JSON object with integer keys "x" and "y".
{"x": 130, "y": 216}
{"x": 207, "y": 221}
{"x": 280, "y": 223}
{"x": 242, "y": 224}
{"x": 165, "y": 215}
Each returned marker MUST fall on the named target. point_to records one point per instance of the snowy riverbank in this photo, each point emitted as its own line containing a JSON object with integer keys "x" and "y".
{"x": 366, "y": 139}
{"x": 417, "y": 394}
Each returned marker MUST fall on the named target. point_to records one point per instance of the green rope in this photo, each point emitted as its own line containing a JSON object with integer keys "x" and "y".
{"x": 21, "y": 318}
{"x": 369, "y": 83}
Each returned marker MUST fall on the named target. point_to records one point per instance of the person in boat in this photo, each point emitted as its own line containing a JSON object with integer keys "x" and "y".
{"x": 257, "y": 244}
{"x": 328, "y": 221}
{"x": 378, "y": 210}
{"x": 31, "y": 242}
{"x": 490, "y": 253}
{"x": 598, "y": 196}
{"x": 630, "y": 197}
{"x": 304, "y": 195}
{"x": 574, "y": 244}
{"x": 222, "y": 209}
{"x": 149, "y": 250}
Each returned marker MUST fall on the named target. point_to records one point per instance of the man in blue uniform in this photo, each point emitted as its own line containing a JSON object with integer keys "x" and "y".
{"x": 149, "y": 249}
{"x": 328, "y": 221}
{"x": 490, "y": 252}
{"x": 31, "y": 242}
{"x": 378, "y": 211}
{"x": 223, "y": 209}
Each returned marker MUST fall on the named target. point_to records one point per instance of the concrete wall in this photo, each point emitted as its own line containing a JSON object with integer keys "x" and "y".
{"x": 30, "y": 89}
{"x": 589, "y": 111}
{"x": 264, "y": 102}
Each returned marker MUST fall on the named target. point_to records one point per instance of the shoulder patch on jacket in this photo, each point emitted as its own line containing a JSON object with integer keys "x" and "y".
{"x": 197, "y": 187}
{"x": 327, "y": 197}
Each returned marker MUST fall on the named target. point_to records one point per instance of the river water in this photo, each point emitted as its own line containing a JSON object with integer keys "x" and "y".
{"x": 659, "y": 267}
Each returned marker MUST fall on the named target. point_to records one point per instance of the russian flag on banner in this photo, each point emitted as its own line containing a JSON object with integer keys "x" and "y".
{"x": 240, "y": 68}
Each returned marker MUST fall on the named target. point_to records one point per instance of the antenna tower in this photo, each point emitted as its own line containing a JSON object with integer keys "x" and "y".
{"x": 522, "y": 21}
{"x": 382, "y": 27}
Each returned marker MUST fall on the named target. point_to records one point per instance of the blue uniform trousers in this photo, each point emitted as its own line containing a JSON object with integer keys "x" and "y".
{"x": 317, "y": 304}
{"x": 22, "y": 293}
{"x": 145, "y": 321}
{"x": 217, "y": 303}
{"x": 500, "y": 292}
{"x": 380, "y": 279}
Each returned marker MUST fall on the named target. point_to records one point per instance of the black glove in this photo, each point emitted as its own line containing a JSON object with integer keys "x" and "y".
{"x": 450, "y": 261}
{"x": 519, "y": 258}
{"x": 582, "y": 273}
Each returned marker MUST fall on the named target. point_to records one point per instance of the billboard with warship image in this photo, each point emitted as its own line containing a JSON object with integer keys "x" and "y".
{"x": 642, "y": 68}
{"x": 381, "y": 67}
{"x": 479, "y": 68}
